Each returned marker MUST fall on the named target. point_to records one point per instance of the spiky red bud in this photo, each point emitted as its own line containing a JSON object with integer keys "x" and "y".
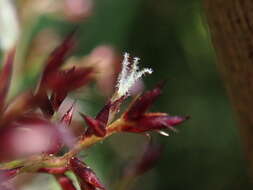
{"x": 94, "y": 126}
{"x": 142, "y": 103}
{"x": 86, "y": 174}
{"x": 67, "y": 117}
{"x": 152, "y": 121}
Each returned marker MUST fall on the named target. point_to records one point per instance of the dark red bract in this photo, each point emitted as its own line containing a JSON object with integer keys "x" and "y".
{"x": 153, "y": 121}
{"x": 65, "y": 182}
{"x": 67, "y": 117}
{"x": 57, "y": 57}
{"x": 142, "y": 103}
{"x": 85, "y": 174}
{"x": 138, "y": 121}
{"x": 95, "y": 127}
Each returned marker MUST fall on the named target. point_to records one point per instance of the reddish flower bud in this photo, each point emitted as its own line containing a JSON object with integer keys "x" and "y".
{"x": 85, "y": 174}
{"x": 42, "y": 101}
{"x": 67, "y": 117}
{"x": 65, "y": 182}
{"x": 94, "y": 126}
{"x": 97, "y": 126}
{"x": 68, "y": 80}
{"x": 103, "y": 115}
{"x": 57, "y": 57}
{"x": 110, "y": 107}
{"x": 142, "y": 103}
{"x": 153, "y": 121}
{"x": 54, "y": 62}
{"x": 137, "y": 121}
{"x": 57, "y": 98}
{"x": 62, "y": 82}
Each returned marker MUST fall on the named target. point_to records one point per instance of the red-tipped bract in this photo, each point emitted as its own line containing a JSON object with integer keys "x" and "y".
{"x": 85, "y": 174}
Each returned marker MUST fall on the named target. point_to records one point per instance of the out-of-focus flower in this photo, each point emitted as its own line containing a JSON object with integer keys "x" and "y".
{"x": 6, "y": 187}
{"x": 28, "y": 136}
{"x": 42, "y": 45}
{"x": 106, "y": 63}
{"x": 70, "y": 10}
{"x": 145, "y": 161}
{"x": 9, "y": 25}
{"x": 31, "y": 9}
{"x": 77, "y": 10}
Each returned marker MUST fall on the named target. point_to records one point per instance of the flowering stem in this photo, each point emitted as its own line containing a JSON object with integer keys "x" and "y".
{"x": 34, "y": 163}
{"x": 85, "y": 143}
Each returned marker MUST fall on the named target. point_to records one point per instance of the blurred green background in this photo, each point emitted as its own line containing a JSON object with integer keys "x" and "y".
{"x": 171, "y": 36}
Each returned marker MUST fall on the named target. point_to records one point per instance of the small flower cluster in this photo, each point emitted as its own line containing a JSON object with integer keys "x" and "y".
{"x": 32, "y": 138}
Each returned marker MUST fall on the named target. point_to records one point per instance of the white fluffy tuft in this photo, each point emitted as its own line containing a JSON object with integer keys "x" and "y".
{"x": 129, "y": 74}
